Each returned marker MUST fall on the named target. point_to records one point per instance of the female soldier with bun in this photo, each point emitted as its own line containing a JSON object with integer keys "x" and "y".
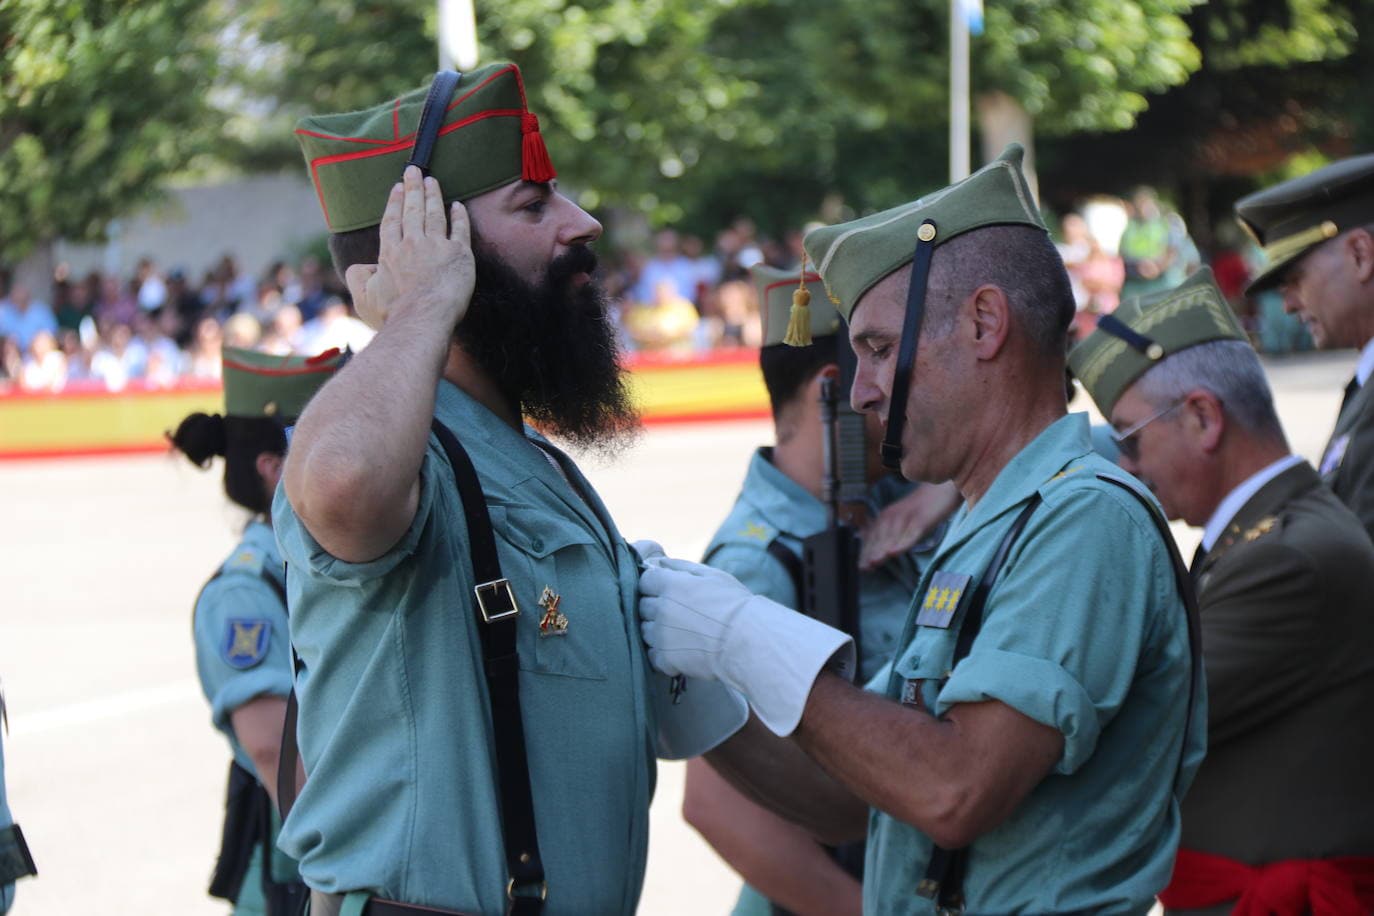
{"x": 243, "y": 653}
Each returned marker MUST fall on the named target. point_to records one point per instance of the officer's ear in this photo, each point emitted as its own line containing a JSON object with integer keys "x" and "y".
{"x": 1360, "y": 244}
{"x": 1206, "y": 419}
{"x": 991, "y": 313}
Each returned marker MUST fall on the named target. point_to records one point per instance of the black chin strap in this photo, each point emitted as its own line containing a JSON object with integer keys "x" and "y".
{"x": 891, "y": 448}
{"x": 432, "y": 118}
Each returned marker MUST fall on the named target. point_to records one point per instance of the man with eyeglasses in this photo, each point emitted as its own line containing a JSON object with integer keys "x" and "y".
{"x": 1279, "y": 810}
{"x": 1318, "y": 233}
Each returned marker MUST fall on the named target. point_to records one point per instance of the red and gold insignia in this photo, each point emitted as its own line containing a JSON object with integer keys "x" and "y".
{"x": 553, "y": 622}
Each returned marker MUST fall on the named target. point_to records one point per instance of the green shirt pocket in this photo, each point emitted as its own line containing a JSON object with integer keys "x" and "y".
{"x": 922, "y": 668}
{"x": 567, "y": 590}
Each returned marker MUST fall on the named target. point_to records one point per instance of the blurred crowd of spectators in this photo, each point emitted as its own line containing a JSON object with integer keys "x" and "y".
{"x": 156, "y": 330}
{"x": 680, "y": 297}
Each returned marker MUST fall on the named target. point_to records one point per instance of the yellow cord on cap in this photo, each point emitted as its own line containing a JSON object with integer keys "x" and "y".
{"x": 799, "y": 319}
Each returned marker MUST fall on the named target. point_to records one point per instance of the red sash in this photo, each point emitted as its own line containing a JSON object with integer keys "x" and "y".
{"x": 1341, "y": 886}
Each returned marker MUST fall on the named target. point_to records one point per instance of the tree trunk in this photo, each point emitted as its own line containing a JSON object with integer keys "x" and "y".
{"x": 1002, "y": 120}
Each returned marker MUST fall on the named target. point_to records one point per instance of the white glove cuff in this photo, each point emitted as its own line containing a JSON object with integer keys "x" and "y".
{"x": 774, "y": 656}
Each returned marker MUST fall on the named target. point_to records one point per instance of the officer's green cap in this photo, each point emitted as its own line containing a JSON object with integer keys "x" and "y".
{"x": 1291, "y": 218}
{"x": 1146, "y": 329}
{"x": 775, "y": 288}
{"x": 264, "y": 385}
{"x": 488, "y": 139}
{"x": 853, "y": 256}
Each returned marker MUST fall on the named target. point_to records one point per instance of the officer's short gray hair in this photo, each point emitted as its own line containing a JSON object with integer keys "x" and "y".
{"x": 1230, "y": 370}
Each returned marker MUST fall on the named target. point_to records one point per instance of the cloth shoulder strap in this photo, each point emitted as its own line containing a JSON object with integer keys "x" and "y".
{"x": 944, "y": 877}
{"x": 496, "y": 613}
{"x": 791, "y": 564}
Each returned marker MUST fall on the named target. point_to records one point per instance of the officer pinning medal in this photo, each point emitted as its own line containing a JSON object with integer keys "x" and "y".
{"x": 1012, "y": 704}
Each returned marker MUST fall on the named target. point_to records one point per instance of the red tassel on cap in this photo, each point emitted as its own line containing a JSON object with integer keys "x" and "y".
{"x": 534, "y": 155}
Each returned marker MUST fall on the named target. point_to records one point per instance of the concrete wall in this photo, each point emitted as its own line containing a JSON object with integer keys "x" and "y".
{"x": 258, "y": 219}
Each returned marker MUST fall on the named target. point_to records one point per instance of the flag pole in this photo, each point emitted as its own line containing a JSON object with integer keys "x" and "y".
{"x": 958, "y": 92}
{"x": 457, "y": 35}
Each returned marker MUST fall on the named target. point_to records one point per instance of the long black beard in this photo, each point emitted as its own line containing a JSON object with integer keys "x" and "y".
{"x": 551, "y": 349}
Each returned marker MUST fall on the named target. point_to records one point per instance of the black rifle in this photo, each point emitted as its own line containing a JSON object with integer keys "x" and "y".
{"x": 830, "y": 559}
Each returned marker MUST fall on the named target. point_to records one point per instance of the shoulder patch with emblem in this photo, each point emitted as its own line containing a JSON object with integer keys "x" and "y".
{"x": 245, "y": 641}
{"x": 946, "y": 592}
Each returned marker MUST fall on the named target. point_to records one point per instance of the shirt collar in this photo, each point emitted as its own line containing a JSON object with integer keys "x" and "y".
{"x": 790, "y": 507}
{"x": 1044, "y": 456}
{"x": 783, "y": 503}
{"x": 1237, "y": 498}
{"x": 1365, "y": 368}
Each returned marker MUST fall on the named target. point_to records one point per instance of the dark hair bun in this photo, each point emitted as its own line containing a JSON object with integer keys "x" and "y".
{"x": 200, "y": 437}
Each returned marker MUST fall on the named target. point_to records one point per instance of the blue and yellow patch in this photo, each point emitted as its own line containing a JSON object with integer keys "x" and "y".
{"x": 245, "y": 641}
{"x": 947, "y": 590}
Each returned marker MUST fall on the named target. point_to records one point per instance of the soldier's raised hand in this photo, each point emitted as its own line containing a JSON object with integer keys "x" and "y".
{"x": 425, "y": 263}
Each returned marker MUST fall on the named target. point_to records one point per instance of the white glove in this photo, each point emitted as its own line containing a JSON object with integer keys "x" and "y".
{"x": 649, "y": 551}
{"x": 702, "y": 623}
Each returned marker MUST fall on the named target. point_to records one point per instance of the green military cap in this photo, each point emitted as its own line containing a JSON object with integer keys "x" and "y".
{"x": 776, "y": 288}
{"x": 264, "y": 385}
{"x": 1291, "y": 218}
{"x": 1145, "y": 329}
{"x": 853, "y": 256}
{"x": 488, "y": 139}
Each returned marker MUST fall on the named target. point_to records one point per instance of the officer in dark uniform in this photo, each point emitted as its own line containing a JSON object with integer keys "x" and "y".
{"x": 1279, "y": 810}
{"x": 1318, "y": 233}
{"x": 243, "y": 651}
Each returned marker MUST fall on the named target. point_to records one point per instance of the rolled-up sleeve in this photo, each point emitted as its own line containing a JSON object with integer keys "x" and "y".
{"x": 1067, "y": 620}
{"x": 300, "y": 549}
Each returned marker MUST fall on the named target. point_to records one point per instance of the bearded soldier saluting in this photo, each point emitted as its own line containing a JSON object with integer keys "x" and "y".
{"x": 476, "y": 715}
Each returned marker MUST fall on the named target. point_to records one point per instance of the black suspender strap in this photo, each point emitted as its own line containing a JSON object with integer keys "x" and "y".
{"x": 791, "y": 564}
{"x": 289, "y": 757}
{"x": 496, "y": 616}
{"x": 906, "y": 355}
{"x": 1184, "y": 581}
{"x": 944, "y": 878}
{"x": 432, "y": 118}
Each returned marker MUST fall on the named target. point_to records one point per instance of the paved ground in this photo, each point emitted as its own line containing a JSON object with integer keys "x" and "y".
{"x": 112, "y": 766}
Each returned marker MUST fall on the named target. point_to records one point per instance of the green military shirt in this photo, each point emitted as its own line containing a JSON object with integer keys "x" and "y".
{"x": 1084, "y": 631}
{"x": 395, "y": 729}
{"x": 772, "y": 506}
{"x": 243, "y": 652}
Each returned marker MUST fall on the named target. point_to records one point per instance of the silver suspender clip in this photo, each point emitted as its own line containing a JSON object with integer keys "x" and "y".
{"x": 496, "y": 600}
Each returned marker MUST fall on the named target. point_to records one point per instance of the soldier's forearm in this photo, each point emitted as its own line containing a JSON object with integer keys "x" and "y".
{"x": 777, "y": 774}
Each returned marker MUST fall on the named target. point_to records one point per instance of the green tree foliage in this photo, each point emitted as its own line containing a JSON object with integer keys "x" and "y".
{"x": 1278, "y": 79}
{"x": 100, "y": 100}
{"x": 696, "y": 109}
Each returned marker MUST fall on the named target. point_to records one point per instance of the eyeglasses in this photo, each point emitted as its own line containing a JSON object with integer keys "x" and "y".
{"x": 1126, "y": 439}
